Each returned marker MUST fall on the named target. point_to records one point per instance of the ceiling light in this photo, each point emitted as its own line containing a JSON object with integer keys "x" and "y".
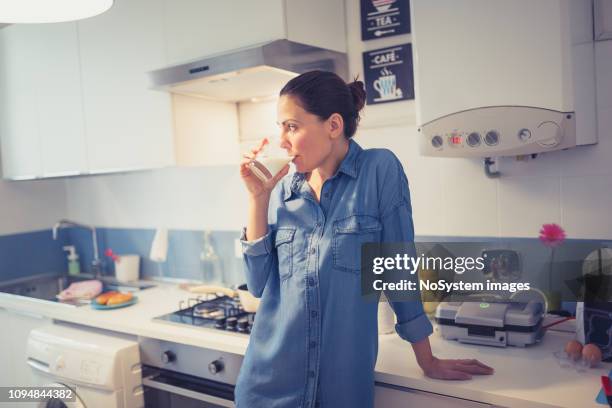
{"x": 50, "y": 11}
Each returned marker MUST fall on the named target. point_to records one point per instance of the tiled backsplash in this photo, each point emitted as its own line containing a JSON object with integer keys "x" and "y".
{"x": 33, "y": 253}
{"x": 183, "y": 260}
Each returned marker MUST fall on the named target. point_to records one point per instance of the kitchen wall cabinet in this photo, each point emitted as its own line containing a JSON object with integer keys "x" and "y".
{"x": 18, "y": 327}
{"x": 75, "y": 97}
{"x": 197, "y": 28}
{"x": 41, "y": 121}
{"x": 128, "y": 125}
{"x": 390, "y": 396}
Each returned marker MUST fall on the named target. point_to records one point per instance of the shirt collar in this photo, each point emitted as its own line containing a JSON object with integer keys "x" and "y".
{"x": 348, "y": 166}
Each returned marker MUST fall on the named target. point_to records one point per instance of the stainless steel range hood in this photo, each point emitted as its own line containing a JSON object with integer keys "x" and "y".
{"x": 249, "y": 73}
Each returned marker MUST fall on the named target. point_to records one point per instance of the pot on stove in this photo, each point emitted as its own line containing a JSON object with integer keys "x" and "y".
{"x": 248, "y": 302}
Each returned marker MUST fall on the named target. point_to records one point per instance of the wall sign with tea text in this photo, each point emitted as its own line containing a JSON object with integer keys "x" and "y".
{"x": 384, "y": 18}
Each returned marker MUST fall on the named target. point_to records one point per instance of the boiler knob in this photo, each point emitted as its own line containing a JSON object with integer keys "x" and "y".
{"x": 215, "y": 367}
{"x": 168, "y": 357}
{"x": 437, "y": 141}
{"x": 549, "y": 134}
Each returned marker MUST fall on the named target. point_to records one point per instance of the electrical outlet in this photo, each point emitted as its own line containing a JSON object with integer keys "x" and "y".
{"x": 237, "y": 248}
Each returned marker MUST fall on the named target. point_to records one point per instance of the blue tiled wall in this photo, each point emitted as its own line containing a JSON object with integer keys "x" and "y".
{"x": 184, "y": 249}
{"x": 36, "y": 252}
{"x": 31, "y": 253}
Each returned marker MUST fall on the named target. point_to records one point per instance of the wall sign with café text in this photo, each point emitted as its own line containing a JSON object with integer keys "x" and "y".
{"x": 388, "y": 74}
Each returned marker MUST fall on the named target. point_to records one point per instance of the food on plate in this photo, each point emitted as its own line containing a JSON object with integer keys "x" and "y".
{"x": 119, "y": 299}
{"x": 105, "y": 297}
{"x": 591, "y": 354}
{"x": 573, "y": 349}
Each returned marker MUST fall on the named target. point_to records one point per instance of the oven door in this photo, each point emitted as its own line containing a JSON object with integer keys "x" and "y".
{"x": 164, "y": 388}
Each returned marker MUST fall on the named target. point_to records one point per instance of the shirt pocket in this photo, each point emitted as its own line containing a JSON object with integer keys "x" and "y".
{"x": 283, "y": 242}
{"x": 348, "y": 235}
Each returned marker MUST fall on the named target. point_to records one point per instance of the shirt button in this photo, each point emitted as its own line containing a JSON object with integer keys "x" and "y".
{"x": 313, "y": 313}
{"x": 313, "y": 250}
{"x": 311, "y": 281}
{"x": 311, "y": 374}
{"x": 313, "y": 344}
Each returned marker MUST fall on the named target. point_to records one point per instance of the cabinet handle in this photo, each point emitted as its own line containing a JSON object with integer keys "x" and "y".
{"x": 27, "y": 314}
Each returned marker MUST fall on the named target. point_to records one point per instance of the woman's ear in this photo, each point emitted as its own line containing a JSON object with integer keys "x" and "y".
{"x": 336, "y": 126}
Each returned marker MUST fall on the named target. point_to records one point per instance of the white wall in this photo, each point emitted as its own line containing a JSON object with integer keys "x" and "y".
{"x": 177, "y": 198}
{"x": 31, "y": 205}
{"x": 450, "y": 196}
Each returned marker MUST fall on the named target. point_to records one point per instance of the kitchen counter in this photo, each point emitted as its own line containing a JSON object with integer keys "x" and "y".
{"x": 526, "y": 378}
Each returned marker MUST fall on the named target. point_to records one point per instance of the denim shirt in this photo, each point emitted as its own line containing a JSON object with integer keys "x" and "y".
{"x": 315, "y": 339}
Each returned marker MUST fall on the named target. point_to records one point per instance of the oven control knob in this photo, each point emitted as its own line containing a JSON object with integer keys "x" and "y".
{"x": 215, "y": 367}
{"x": 168, "y": 357}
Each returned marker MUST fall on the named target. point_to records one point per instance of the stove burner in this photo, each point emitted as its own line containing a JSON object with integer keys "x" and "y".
{"x": 220, "y": 312}
{"x": 207, "y": 312}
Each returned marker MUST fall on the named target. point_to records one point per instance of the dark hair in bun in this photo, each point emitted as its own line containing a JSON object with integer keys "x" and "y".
{"x": 324, "y": 93}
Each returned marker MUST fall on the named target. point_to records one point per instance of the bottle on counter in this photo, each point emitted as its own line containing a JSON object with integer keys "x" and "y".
{"x": 74, "y": 268}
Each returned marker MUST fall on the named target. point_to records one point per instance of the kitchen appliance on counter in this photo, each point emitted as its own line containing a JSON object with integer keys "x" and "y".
{"x": 180, "y": 375}
{"x": 498, "y": 324}
{"x": 212, "y": 311}
{"x": 103, "y": 370}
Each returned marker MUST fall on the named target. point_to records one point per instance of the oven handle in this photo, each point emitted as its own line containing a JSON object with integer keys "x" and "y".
{"x": 150, "y": 382}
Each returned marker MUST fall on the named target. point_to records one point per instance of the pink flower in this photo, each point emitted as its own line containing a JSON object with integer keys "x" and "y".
{"x": 552, "y": 235}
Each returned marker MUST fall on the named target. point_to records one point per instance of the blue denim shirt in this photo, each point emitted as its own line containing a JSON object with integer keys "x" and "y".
{"x": 315, "y": 339}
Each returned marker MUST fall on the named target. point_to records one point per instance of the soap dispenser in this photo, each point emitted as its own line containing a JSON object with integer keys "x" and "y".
{"x": 73, "y": 260}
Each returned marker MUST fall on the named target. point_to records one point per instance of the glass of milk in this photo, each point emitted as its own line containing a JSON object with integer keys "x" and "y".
{"x": 270, "y": 160}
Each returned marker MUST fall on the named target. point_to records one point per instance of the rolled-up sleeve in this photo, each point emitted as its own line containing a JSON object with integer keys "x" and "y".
{"x": 259, "y": 258}
{"x": 412, "y": 323}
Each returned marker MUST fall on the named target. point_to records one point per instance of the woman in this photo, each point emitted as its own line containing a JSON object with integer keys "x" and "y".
{"x": 315, "y": 340}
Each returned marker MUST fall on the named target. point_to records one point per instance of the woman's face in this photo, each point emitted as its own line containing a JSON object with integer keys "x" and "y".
{"x": 303, "y": 135}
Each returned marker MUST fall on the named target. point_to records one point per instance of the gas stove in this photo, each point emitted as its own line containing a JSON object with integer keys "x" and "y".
{"x": 212, "y": 312}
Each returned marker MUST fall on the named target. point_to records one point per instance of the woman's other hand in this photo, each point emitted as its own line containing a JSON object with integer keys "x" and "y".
{"x": 444, "y": 369}
{"x": 254, "y": 185}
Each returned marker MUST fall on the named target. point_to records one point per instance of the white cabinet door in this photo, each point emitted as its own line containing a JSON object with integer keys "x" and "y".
{"x": 6, "y": 356}
{"x": 18, "y": 103}
{"x": 19, "y": 326}
{"x": 60, "y": 106}
{"x": 128, "y": 125}
{"x": 389, "y": 396}
{"x": 197, "y": 28}
{"x": 41, "y": 108}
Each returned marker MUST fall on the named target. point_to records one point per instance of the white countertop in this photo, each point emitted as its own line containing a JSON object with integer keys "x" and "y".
{"x": 526, "y": 378}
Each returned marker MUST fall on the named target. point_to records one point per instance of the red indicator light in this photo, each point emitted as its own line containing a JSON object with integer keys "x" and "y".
{"x": 455, "y": 140}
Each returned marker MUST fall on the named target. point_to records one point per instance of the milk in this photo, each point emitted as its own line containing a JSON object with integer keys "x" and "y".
{"x": 267, "y": 167}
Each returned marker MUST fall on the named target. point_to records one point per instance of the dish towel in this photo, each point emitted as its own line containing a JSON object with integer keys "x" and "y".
{"x": 159, "y": 247}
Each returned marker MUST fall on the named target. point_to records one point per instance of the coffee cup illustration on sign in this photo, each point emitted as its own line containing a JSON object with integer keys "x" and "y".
{"x": 386, "y": 86}
{"x": 382, "y": 5}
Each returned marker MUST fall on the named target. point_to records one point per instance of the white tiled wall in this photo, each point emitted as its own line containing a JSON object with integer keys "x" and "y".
{"x": 450, "y": 196}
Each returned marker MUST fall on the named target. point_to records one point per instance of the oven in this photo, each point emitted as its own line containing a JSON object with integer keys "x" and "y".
{"x": 180, "y": 375}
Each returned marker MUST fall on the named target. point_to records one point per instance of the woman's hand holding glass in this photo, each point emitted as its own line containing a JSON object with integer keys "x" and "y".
{"x": 256, "y": 187}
